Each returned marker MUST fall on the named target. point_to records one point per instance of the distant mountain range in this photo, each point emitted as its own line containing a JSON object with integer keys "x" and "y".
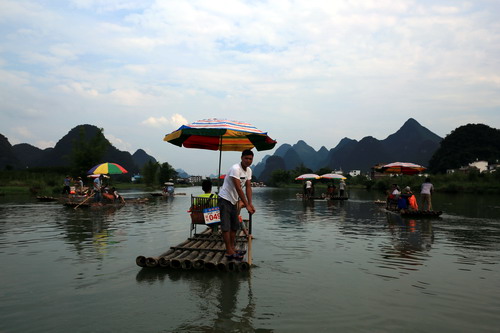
{"x": 411, "y": 143}
{"x": 23, "y": 155}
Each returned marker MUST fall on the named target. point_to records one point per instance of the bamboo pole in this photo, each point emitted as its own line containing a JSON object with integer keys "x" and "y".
{"x": 161, "y": 261}
{"x": 211, "y": 264}
{"x": 140, "y": 261}
{"x": 189, "y": 261}
{"x": 249, "y": 251}
{"x": 200, "y": 261}
{"x": 90, "y": 196}
{"x": 243, "y": 266}
{"x": 184, "y": 259}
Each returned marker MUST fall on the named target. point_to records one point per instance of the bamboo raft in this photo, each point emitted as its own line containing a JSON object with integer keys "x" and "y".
{"x": 46, "y": 199}
{"x": 417, "y": 213}
{"x": 205, "y": 251}
{"x": 301, "y": 196}
{"x": 87, "y": 202}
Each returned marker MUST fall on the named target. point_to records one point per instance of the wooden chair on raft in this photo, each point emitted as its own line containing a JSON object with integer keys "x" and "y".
{"x": 198, "y": 204}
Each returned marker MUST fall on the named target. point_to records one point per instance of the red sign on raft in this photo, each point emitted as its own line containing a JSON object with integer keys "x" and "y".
{"x": 211, "y": 215}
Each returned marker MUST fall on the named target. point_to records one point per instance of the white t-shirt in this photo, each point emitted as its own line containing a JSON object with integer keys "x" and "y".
{"x": 228, "y": 191}
{"x": 97, "y": 184}
{"x": 308, "y": 184}
{"x": 426, "y": 188}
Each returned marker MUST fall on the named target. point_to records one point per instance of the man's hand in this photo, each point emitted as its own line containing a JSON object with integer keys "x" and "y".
{"x": 250, "y": 208}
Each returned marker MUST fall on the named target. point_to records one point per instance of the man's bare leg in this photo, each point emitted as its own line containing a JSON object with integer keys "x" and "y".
{"x": 232, "y": 236}
{"x": 226, "y": 236}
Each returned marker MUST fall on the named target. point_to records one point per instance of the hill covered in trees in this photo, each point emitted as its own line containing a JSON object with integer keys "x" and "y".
{"x": 464, "y": 145}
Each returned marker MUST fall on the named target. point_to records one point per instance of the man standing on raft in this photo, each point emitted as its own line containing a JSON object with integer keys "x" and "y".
{"x": 231, "y": 191}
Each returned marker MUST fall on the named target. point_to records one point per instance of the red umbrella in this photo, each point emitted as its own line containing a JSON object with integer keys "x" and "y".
{"x": 404, "y": 168}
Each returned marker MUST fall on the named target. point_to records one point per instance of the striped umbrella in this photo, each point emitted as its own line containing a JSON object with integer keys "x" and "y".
{"x": 220, "y": 134}
{"x": 307, "y": 176}
{"x": 404, "y": 168}
{"x": 107, "y": 168}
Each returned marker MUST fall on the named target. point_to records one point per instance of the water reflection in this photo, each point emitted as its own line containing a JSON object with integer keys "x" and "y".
{"x": 88, "y": 230}
{"x": 225, "y": 301}
{"x": 410, "y": 240}
{"x": 410, "y": 235}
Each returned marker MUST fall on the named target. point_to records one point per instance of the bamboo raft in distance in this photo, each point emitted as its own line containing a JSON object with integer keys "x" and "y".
{"x": 203, "y": 251}
{"x": 46, "y": 199}
{"x": 417, "y": 213}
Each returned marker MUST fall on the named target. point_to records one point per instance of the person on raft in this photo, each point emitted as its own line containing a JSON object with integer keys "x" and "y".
{"x": 206, "y": 186}
{"x": 239, "y": 176}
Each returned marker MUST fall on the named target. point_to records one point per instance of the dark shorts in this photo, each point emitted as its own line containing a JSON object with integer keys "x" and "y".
{"x": 228, "y": 215}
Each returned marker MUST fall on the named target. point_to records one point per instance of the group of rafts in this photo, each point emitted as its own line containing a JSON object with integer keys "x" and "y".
{"x": 332, "y": 192}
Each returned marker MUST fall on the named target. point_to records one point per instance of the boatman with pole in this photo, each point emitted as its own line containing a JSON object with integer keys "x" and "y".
{"x": 239, "y": 176}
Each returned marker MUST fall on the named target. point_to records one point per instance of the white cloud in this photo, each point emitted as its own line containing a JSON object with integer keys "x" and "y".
{"x": 23, "y": 132}
{"x": 174, "y": 121}
{"x": 43, "y": 144}
{"x": 118, "y": 142}
{"x": 270, "y": 63}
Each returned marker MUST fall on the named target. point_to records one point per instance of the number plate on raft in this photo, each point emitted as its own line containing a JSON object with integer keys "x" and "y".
{"x": 211, "y": 215}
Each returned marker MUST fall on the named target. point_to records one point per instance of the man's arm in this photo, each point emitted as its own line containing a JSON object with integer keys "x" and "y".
{"x": 248, "y": 190}
{"x": 247, "y": 201}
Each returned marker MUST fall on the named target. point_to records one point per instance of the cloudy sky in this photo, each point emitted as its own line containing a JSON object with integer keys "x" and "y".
{"x": 306, "y": 69}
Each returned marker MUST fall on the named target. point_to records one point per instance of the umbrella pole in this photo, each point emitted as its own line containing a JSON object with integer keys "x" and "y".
{"x": 249, "y": 247}
{"x": 220, "y": 159}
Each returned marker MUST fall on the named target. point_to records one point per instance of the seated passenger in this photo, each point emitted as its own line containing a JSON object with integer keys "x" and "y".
{"x": 392, "y": 199}
{"x": 410, "y": 198}
{"x": 206, "y": 186}
{"x": 117, "y": 196}
{"x": 199, "y": 204}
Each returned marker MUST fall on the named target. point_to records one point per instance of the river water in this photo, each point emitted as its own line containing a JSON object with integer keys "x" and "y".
{"x": 319, "y": 267}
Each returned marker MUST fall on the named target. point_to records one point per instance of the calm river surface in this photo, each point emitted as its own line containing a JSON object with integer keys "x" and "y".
{"x": 321, "y": 267}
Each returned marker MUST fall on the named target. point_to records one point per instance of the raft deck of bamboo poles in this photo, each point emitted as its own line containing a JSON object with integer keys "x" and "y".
{"x": 202, "y": 251}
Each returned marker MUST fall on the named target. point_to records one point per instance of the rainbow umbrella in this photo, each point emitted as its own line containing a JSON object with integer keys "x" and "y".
{"x": 220, "y": 134}
{"x": 404, "y": 168}
{"x": 107, "y": 168}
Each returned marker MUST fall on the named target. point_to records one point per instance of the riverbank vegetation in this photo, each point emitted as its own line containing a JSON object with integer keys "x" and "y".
{"x": 49, "y": 181}
{"x": 472, "y": 182}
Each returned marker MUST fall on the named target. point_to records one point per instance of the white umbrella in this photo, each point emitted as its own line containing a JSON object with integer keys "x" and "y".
{"x": 97, "y": 176}
{"x": 307, "y": 176}
{"x": 332, "y": 176}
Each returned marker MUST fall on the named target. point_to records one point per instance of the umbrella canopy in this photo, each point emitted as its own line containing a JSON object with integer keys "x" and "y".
{"x": 220, "y": 134}
{"x": 404, "y": 168}
{"x": 332, "y": 176}
{"x": 107, "y": 168}
{"x": 307, "y": 176}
